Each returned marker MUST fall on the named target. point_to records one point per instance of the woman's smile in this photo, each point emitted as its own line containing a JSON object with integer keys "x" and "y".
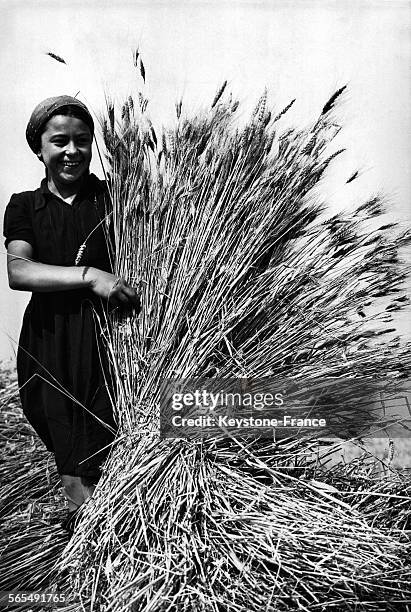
{"x": 70, "y": 166}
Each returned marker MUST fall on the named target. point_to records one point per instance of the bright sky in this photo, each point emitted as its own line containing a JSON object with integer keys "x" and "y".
{"x": 302, "y": 49}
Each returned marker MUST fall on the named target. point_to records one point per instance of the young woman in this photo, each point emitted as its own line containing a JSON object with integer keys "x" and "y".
{"x": 62, "y": 370}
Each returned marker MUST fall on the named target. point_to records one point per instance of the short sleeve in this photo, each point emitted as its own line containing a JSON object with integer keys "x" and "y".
{"x": 17, "y": 220}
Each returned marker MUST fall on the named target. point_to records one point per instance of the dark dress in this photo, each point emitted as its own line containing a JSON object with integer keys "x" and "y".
{"x": 62, "y": 365}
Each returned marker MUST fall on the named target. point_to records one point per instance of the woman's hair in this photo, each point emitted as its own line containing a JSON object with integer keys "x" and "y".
{"x": 59, "y": 105}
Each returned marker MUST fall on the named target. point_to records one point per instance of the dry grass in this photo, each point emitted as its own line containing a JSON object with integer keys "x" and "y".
{"x": 31, "y": 501}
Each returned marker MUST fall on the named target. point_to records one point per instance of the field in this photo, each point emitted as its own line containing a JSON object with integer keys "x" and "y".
{"x": 32, "y": 503}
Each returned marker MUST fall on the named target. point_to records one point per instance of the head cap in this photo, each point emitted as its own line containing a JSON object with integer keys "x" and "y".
{"x": 45, "y": 110}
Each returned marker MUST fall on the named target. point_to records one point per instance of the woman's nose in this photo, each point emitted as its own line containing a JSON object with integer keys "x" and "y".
{"x": 71, "y": 148}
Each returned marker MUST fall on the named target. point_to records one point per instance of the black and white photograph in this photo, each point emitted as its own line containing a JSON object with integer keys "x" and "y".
{"x": 205, "y": 398}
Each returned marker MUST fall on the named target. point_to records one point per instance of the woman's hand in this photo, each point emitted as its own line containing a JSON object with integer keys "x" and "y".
{"x": 112, "y": 288}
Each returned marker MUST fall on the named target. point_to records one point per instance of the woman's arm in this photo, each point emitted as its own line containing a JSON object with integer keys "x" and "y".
{"x": 25, "y": 274}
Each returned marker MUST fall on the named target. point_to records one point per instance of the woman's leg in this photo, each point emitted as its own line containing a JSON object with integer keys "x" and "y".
{"x": 75, "y": 491}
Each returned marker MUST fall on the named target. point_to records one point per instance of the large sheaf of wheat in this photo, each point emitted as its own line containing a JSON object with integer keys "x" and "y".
{"x": 242, "y": 274}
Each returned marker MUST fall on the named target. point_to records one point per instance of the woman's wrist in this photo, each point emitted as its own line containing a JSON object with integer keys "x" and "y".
{"x": 88, "y": 276}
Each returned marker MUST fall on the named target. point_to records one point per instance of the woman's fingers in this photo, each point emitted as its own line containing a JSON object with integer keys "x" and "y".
{"x": 132, "y": 295}
{"x": 118, "y": 297}
{"x": 125, "y": 294}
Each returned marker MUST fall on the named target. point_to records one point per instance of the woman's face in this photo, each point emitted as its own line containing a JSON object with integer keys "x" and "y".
{"x": 66, "y": 149}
